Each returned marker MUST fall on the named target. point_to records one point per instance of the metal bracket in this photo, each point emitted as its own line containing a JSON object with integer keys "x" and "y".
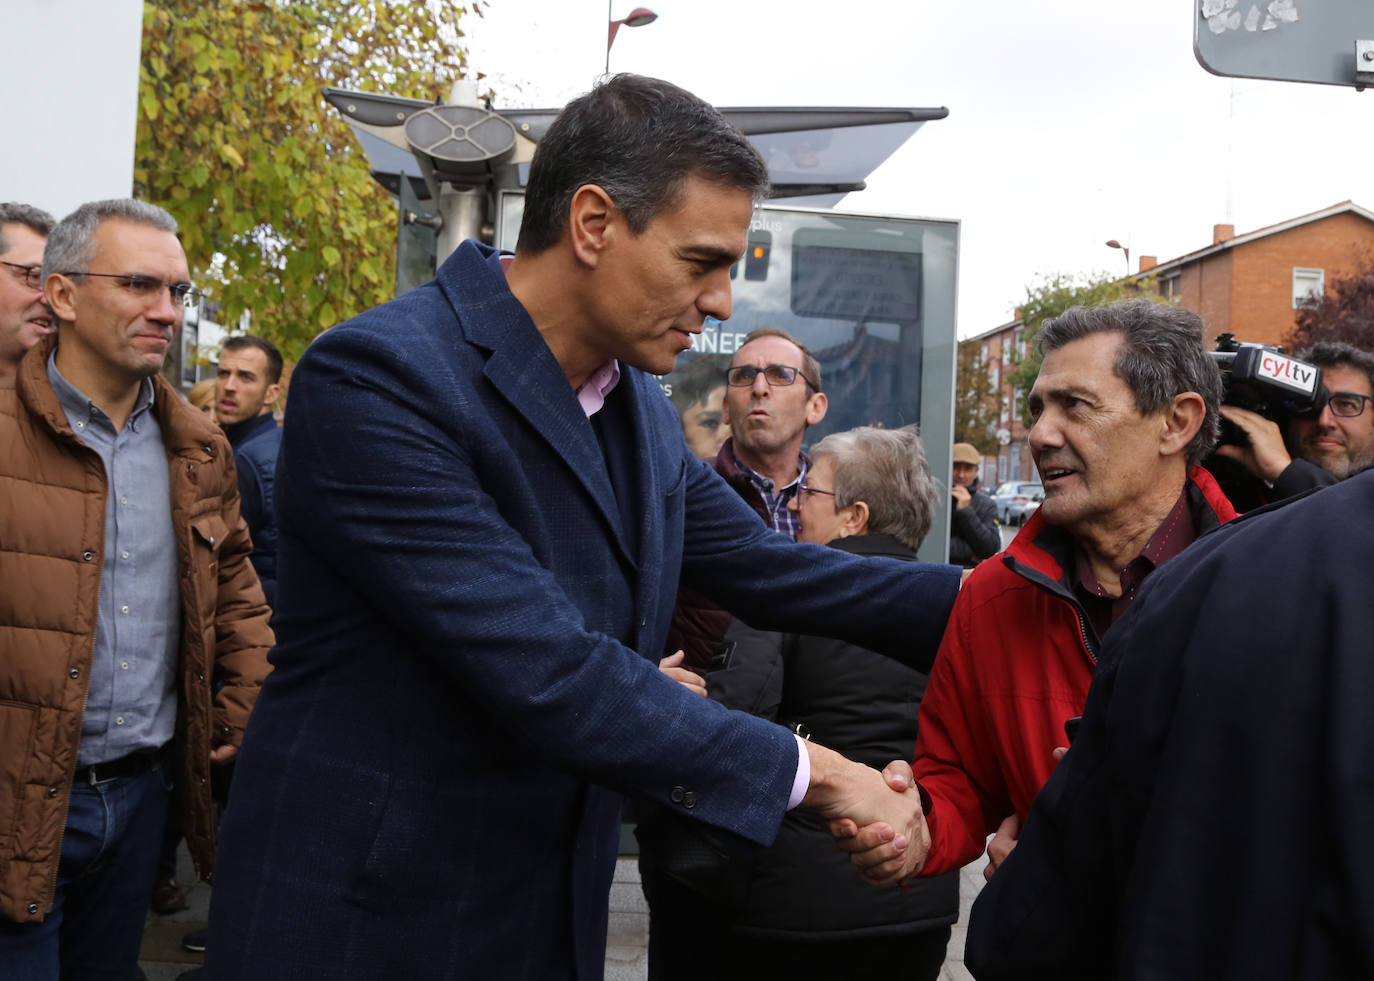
{"x": 1364, "y": 63}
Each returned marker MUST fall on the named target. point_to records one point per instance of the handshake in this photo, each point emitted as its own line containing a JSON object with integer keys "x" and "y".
{"x": 875, "y": 817}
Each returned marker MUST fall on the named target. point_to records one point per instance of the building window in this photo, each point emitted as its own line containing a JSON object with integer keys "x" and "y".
{"x": 1308, "y": 285}
{"x": 1021, "y": 343}
{"x": 1169, "y": 287}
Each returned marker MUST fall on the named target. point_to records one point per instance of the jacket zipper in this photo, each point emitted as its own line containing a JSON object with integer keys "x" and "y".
{"x": 1090, "y": 643}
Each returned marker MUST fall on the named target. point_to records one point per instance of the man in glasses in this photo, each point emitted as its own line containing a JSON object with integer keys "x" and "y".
{"x": 24, "y": 316}
{"x": 127, "y": 590}
{"x": 772, "y": 393}
{"x": 1319, "y": 447}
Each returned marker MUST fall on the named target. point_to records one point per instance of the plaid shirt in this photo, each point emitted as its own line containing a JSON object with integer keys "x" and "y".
{"x": 780, "y": 517}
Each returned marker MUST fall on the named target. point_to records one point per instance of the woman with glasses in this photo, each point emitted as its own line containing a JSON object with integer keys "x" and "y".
{"x": 804, "y": 913}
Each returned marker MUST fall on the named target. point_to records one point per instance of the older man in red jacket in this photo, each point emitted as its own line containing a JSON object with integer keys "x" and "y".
{"x": 1125, "y": 407}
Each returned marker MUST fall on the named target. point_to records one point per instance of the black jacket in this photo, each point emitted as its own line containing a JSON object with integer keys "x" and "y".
{"x": 256, "y": 443}
{"x": 862, "y": 705}
{"x": 973, "y": 534}
{"x": 1211, "y": 820}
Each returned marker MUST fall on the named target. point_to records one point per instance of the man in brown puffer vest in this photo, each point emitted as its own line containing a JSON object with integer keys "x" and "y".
{"x": 127, "y": 589}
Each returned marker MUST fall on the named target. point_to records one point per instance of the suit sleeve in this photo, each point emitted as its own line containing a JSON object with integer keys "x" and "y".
{"x": 893, "y": 607}
{"x": 955, "y": 758}
{"x": 377, "y": 480}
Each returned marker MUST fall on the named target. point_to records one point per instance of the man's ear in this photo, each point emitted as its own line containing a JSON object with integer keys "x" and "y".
{"x": 272, "y": 394}
{"x": 815, "y": 408}
{"x": 1182, "y": 419}
{"x": 592, "y": 218}
{"x": 58, "y": 291}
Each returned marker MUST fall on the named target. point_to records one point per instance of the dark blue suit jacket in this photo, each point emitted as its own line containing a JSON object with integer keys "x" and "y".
{"x": 466, "y": 671}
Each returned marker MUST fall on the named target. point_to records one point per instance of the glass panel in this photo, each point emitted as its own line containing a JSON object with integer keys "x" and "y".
{"x": 873, "y": 299}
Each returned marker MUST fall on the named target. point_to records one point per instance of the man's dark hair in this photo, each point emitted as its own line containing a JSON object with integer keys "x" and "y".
{"x": 14, "y": 213}
{"x": 242, "y": 342}
{"x": 1162, "y": 355}
{"x": 811, "y": 368}
{"x": 1329, "y": 353}
{"x": 695, "y": 380}
{"x": 638, "y": 139}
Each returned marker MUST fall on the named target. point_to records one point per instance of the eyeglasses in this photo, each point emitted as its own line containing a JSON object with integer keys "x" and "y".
{"x": 30, "y": 276}
{"x": 1345, "y": 404}
{"x": 150, "y": 287}
{"x": 742, "y": 376}
{"x": 806, "y": 490}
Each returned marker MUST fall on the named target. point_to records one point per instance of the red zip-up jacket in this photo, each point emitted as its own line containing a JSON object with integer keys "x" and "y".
{"x": 1015, "y": 663}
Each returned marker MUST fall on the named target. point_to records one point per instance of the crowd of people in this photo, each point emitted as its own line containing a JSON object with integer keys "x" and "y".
{"x": 497, "y": 571}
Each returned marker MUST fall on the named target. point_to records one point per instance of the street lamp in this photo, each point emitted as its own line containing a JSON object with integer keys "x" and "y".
{"x": 637, "y": 18}
{"x": 1114, "y": 244}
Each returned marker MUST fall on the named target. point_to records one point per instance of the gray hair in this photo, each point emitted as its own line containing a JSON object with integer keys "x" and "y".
{"x": 71, "y": 244}
{"x": 1330, "y": 353}
{"x": 14, "y": 213}
{"x": 888, "y": 471}
{"x": 1162, "y": 356}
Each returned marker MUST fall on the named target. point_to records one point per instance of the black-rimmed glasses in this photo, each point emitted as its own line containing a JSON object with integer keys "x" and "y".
{"x": 30, "y": 276}
{"x": 1344, "y": 404}
{"x": 742, "y": 376}
{"x": 806, "y": 490}
{"x": 149, "y": 287}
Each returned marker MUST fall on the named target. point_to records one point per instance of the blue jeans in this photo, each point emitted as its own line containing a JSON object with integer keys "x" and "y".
{"x": 104, "y": 881}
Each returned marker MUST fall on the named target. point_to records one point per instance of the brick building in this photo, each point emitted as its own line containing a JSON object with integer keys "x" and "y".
{"x": 1249, "y": 285}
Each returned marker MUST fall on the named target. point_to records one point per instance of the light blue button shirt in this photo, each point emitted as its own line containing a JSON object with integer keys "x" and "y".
{"x": 132, "y": 702}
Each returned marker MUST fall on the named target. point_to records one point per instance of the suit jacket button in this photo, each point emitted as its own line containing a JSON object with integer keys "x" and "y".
{"x": 677, "y": 794}
{"x": 689, "y": 800}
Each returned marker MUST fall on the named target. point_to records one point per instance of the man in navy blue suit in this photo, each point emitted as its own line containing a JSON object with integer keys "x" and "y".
{"x": 485, "y": 506}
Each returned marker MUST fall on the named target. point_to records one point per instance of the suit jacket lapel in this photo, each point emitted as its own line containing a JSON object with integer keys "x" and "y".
{"x": 523, "y": 370}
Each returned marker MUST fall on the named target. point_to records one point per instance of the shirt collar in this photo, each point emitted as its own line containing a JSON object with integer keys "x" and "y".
{"x": 77, "y": 405}
{"x": 1174, "y": 534}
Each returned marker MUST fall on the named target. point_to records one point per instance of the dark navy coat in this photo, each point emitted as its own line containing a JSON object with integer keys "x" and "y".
{"x": 1211, "y": 821}
{"x": 470, "y": 612}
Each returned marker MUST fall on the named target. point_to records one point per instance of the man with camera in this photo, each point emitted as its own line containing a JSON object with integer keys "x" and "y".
{"x": 1321, "y": 445}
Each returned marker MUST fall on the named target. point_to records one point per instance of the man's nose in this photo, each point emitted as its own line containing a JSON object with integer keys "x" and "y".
{"x": 1044, "y": 432}
{"x": 715, "y": 300}
{"x": 760, "y": 385}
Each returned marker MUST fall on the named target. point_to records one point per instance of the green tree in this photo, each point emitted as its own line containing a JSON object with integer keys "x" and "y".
{"x": 975, "y": 399}
{"x": 277, "y": 210}
{"x": 1050, "y": 296}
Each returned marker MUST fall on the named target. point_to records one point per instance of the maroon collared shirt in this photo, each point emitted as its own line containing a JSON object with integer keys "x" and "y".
{"x": 1175, "y": 534}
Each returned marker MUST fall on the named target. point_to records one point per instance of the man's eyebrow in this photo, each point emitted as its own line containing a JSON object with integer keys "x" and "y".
{"x": 712, "y": 253}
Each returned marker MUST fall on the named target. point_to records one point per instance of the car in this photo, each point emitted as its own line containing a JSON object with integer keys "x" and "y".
{"x": 1017, "y": 500}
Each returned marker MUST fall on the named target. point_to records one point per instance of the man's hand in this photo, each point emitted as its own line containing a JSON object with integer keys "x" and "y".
{"x": 1003, "y": 841}
{"x": 885, "y": 848}
{"x": 961, "y": 496}
{"x": 1266, "y": 457}
{"x": 221, "y": 755}
{"x": 672, "y": 667}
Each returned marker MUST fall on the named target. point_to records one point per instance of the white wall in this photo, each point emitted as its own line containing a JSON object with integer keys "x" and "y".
{"x": 70, "y": 108}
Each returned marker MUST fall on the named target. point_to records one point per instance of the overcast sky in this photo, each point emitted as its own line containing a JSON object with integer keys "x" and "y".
{"x": 1070, "y": 122}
